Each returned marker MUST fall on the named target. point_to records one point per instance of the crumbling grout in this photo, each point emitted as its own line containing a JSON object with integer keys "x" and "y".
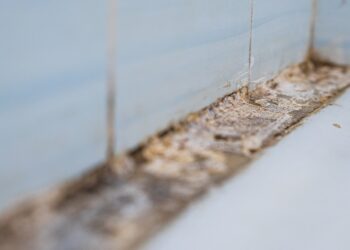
{"x": 112, "y": 209}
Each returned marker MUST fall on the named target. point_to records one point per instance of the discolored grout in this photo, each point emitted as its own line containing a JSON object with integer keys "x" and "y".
{"x": 109, "y": 209}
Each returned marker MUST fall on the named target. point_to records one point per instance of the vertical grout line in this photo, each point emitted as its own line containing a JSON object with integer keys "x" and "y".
{"x": 312, "y": 31}
{"x": 111, "y": 79}
{"x": 245, "y": 88}
{"x": 250, "y": 41}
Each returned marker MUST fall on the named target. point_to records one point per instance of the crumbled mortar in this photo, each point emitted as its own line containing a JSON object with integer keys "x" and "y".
{"x": 118, "y": 206}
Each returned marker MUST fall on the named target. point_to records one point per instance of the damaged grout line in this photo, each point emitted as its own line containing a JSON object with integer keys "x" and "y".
{"x": 109, "y": 210}
{"x": 111, "y": 81}
{"x": 171, "y": 170}
{"x": 250, "y": 42}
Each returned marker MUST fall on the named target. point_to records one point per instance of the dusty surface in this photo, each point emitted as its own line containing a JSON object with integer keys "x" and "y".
{"x": 119, "y": 206}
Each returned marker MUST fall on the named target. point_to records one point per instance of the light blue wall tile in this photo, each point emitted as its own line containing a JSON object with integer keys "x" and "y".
{"x": 333, "y": 30}
{"x": 176, "y": 57}
{"x": 52, "y": 92}
{"x": 280, "y": 35}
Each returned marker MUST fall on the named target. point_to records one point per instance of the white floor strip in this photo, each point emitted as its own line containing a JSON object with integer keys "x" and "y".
{"x": 296, "y": 196}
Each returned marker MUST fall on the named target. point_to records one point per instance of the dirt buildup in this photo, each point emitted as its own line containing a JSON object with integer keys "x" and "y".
{"x": 118, "y": 206}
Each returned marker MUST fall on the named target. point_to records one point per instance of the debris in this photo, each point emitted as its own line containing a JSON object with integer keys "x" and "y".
{"x": 336, "y": 125}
